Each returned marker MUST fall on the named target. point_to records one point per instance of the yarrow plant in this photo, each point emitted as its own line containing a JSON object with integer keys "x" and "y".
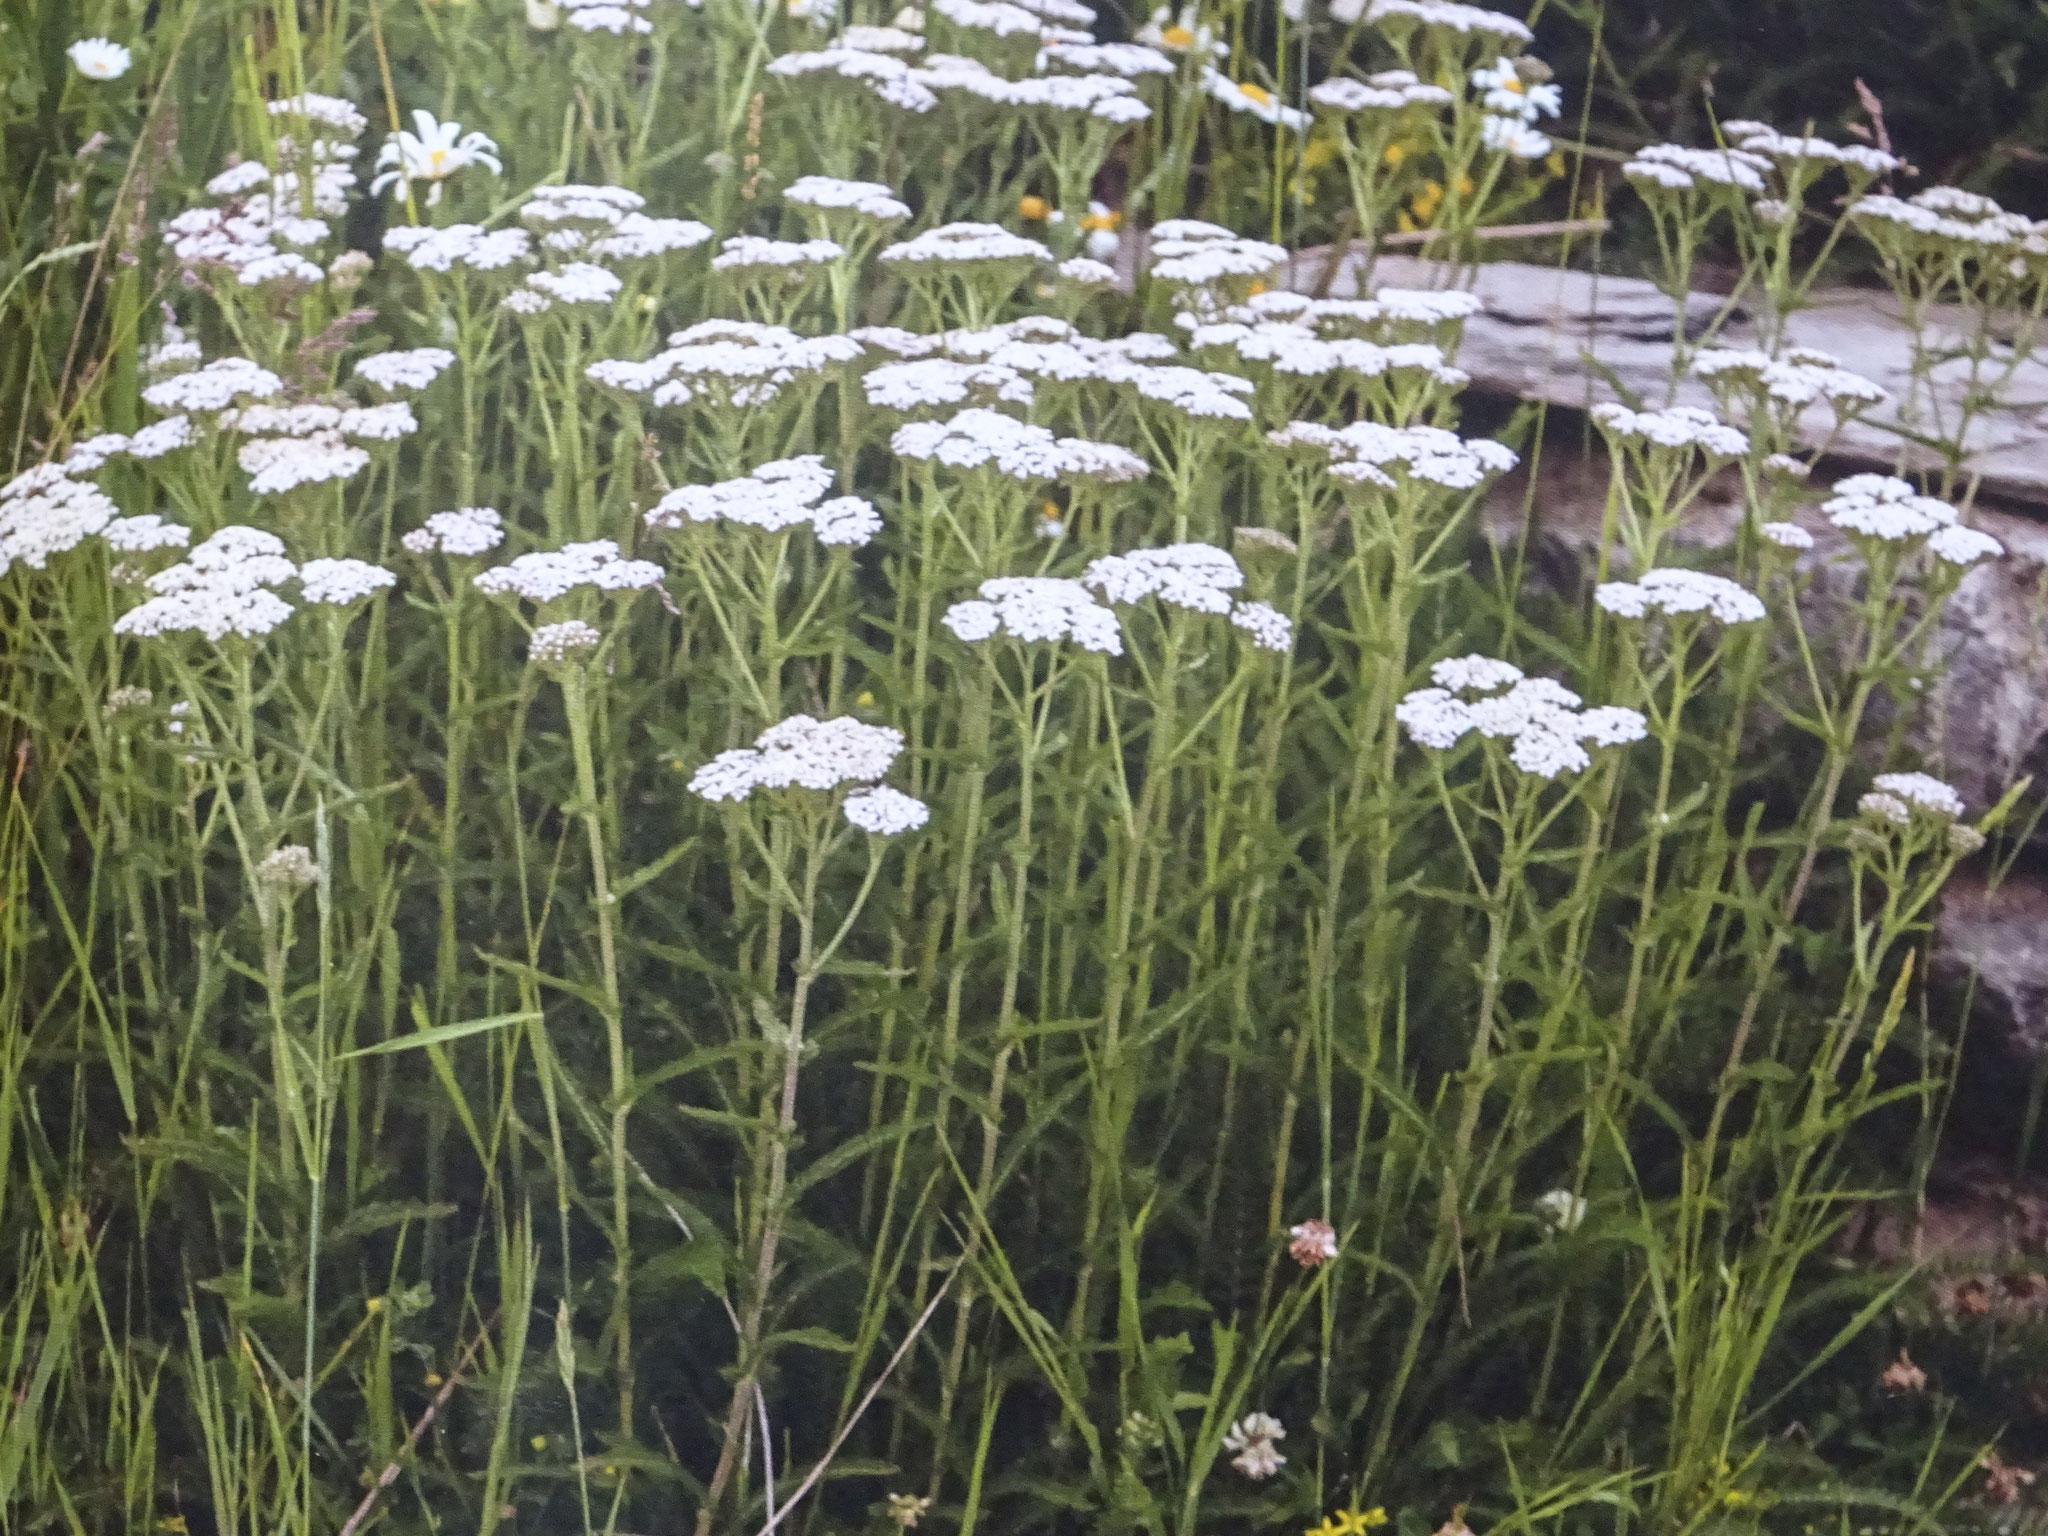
{"x": 764, "y": 772}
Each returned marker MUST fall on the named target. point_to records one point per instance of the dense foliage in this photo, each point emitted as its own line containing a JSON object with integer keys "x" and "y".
{"x": 756, "y": 779}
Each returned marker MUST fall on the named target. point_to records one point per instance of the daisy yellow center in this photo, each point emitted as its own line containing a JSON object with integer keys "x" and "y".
{"x": 1257, "y": 93}
{"x": 434, "y": 159}
{"x": 1177, "y": 37}
{"x": 1109, "y": 220}
{"x": 1512, "y": 84}
{"x": 1034, "y": 209}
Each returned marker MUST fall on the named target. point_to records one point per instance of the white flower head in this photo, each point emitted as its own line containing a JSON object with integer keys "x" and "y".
{"x": 405, "y": 370}
{"x": 222, "y": 588}
{"x": 864, "y": 199}
{"x": 1675, "y": 427}
{"x": 98, "y": 59}
{"x": 464, "y": 532}
{"x": 1787, "y": 536}
{"x": 433, "y": 152}
{"x": 1252, "y": 1440}
{"x": 1923, "y": 792}
{"x": 1561, "y": 1210}
{"x": 45, "y": 513}
{"x": 341, "y": 582}
{"x": 215, "y": 387}
{"x": 287, "y": 869}
{"x": 1266, "y": 626}
{"x": 279, "y": 464}
{"x": 965, "y": 245}
{"x": 542, "y": 576}
{"x": 1673, "y": 592}
{"x": 330, "y": 112}
{"x": 562, "y": 644}
{"x": 1037, "y": 608}
{"x": 1885, "y": 509}
{"x": 885, "y": 811}
{"x": 1547, "y": 730}
{"x": 978, "y": 438}
{"x": 801, "y": 753}
{"x": 1198, "y": 577}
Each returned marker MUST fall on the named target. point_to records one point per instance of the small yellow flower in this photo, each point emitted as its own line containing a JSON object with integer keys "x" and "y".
{"x": 1555, "y": 163}
{"x": 1258, "y": 287}
{"x": 1035, "y": 210}
{"x": 1404, "y": 222}
{"x": 374, "y": 1305}
{"x": 433, "y": 1378}
{"x": 539, "y": 1442}
{"x": 1319, "y": 151}
{"x": 1050, "y": 511}
{"x": 1109, "y": 218}
{"x": 1465, "y": 187}
{"x": 866, "y": 699}
{"x": 1395, "y": 154}
{"x": 1177, "y": 37}
{"x": 175, "y": 1524}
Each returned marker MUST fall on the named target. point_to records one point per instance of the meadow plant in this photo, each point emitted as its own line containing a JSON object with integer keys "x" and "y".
{"x": 725, "y": 810}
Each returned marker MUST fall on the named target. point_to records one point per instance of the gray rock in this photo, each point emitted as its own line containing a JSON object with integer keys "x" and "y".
{"x": 1546, "y": 333}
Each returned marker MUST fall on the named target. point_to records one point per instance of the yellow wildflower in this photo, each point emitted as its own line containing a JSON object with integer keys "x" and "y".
{"x": 1177, "y": 37}
{"x": 1395, "y": 154}
{"x": 1036, "y": 210}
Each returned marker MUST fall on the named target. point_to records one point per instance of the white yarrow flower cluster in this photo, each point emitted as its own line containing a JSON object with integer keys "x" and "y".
{"x": 43, "y": 512}
{"x": 775, "y": 497}
{"x": 872, "y": 71}
{"x": 1677, "y": 426}
{"x": 830, "y": 194}
{"x": 1677, "y": 168}
{"x": 1368, "y": 453}
{"x": 214, "y": 387}
{"x": 563, "y": 643}
{"x": 1673, "y": 592}
{"x": 412, "y": 369}
{"x": 1885, "y": 508}
{"x": 1547, "y": 729}
{"x": 1037, "y": 608}
{"x": 1921, "y": 792}
{"x": 1802, "y": 376}
{"x": 543, "y": 576}
{"x": 223, "y": 587}
{"x": 979, "y": 438}
{"x": 965, "y": 245}
{"x": 1443, "y": 16}
{"x": 822, "y": 755}
{"x": 466, "y": 531}
{"x": 1391, "y": 90}
{"x": 427, "y": 249}
{"x": 726, "y": 363}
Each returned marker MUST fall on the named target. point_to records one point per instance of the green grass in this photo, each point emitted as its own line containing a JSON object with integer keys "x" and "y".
{"x": 545, "y": 1147}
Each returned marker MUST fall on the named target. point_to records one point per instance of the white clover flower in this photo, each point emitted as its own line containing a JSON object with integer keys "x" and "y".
{"x": 1677, "y": 426}
{"x": 47, "y": 514}
{"x": 341, "y": 582}
{"x": 1957, "y": 545}
{"x": 1561, "y": 1210}
{"x": 801, "y": 753}
{"x": 1885, "y": 508}
{"x": 1669, "y": 591}
{"x": 1443, "y": 16}
{"x": 868, "y": 199}
{"x": 433, "y": 152}
{"x": 979, "y": 438}
{"x": 143, "y": 534}
{"x": 1252, "y": 1440}
{"x": 412, "y": 369}
{"x": 322, "y": 111}
{"x": 965, "y": 245}
{"x": 1923, "y": 792}
{"x": 1199, "y": 577}
{"x": 98, "y": 59}
{"x": 465, "y": 531}
{"x": 885, "y": 811}
{"x": 753, "y": 255}
{"x": 214, "y": 387}
{"x": 562, "y": 644}
{"x": 542, "y": 576}
{"x": 1037, "y": 608}
{"x": 1787, "y": 536}
{"x": 1267, "y": 627}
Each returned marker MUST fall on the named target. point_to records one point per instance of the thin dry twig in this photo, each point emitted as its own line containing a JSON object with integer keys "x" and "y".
{"x": 390, "y": 1473}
